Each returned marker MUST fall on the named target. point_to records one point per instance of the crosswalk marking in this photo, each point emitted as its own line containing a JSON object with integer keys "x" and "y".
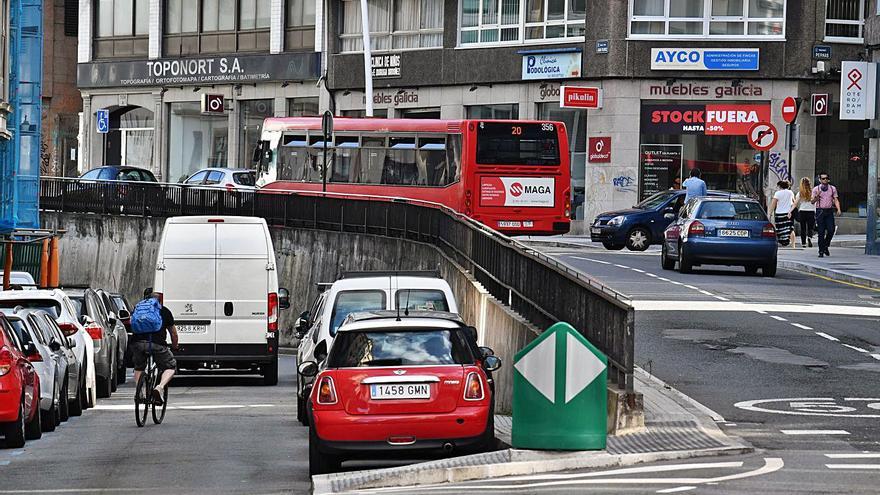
{"x": 858, "y": 455}
{"x": 854, "y": 466}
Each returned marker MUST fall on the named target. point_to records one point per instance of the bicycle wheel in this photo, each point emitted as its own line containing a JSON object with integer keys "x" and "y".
{"x": 159, "y": 415}
{"x": 141, "y": 400}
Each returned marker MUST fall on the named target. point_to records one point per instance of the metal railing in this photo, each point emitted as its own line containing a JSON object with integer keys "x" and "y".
{"x": 539, "y": 288}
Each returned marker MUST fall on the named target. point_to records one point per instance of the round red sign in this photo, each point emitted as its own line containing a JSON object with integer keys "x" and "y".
{"x": 789, "y": 109}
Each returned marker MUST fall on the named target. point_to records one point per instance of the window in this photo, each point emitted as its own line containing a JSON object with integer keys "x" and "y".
{"x": 517, "y": 144}
{"x": 394, "y": 25}
{"x": 300, "y": 32}
{"x": 252, "y": 113}
{"x": 731, "y": 210}
{"x": 216, "y": 26}
{"x": 214, "y": 177}
{"x": 92, "y": 174}
{"x": 707, "y": 18}
{"x": 121, "y": 28}
{"x": 576, "y": 126}
{"x": 352, "y": 301}
{"x": 302, "y": 107}
{"x": 493, "y": 112}
{"x": 71, "y": 17}
{"x": 195, "y": 141}
{"x": 245, "y": 178}
{"x": 421, "y": 300}
{"x": 845, "y": 21}
{"x": 414, "y": 348}
{"x": 521, "y": 21}
{"x": 197, "y": 178}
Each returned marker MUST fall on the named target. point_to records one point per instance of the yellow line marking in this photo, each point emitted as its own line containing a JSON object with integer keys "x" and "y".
{"x": 829, "y": 279}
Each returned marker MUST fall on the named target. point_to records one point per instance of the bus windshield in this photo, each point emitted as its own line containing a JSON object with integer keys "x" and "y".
{"x": 517, "y": 143}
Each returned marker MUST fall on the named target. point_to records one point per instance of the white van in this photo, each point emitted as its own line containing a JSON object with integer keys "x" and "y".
{"x": 217, "y": 275}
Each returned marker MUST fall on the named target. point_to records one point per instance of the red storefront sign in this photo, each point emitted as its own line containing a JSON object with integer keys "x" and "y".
{"x": 726, "y": 120}
{"x": 600, "y": 150}
{"x": 578, "y": 97}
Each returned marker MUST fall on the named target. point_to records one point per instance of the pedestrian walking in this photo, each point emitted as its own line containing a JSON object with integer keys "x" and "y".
{"x": 805, "y": 211}
{"x": 781, "y": 205}
{"x": 827, "y": 203}
{"x": 695, "y": 186}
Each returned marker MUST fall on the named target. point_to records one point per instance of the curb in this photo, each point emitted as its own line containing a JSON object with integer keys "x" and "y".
{"x": 559, "y": 244}
{"x": 832, "y": 274}
{"x": 509, "y": 462}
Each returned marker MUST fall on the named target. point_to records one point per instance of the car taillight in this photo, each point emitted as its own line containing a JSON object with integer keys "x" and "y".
{"x": 326, "y": 391}
{"x": 95, "y": 331}
{"x": 473, "y": 387}
{"x": 768, "y": 231}
{"x": 67, "y": 329}
{"x": 696, "y": 228}
{"x": 5, "y": 361}
{"x": 567, "y": 206}
{"x": 230, "y": 188}
{"x": 273, "y": 312}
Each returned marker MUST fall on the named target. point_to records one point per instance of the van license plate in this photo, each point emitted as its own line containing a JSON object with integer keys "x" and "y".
{"x": 382, "y": 391}
{"x": 192, "y": 329}
{"x": 733, "y": 233}
{"x": 509, "y": 224}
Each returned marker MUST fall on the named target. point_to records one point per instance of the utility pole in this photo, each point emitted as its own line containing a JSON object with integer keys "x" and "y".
{"x": 368, "y": 66}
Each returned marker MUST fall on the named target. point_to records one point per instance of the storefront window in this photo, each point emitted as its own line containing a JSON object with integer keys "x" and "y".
{"x": 845, "y": 21}
{"x": 381, "y": 113}
{"x": 252, "y": 114}
{"x": 420, "y": 113}
{"x": 842, "y": 152}
{"x": 576, "y": 125}
{"x": 302, "y": 107}
{"x": 521, "y": 21}
{"x": 117, "y": 22}
{"x": 130, "y": 139}
{"x": 653, "y": 19}
{"x": 509, "y": 111}
{"x": 394, "y": 25}
{"x": 195, "y": 141}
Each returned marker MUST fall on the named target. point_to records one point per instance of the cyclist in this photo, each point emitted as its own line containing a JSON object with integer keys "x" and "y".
{"x": 141, "y": 344}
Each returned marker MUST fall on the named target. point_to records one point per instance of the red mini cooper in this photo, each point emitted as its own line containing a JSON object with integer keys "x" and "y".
{"x": 400, "y": 386}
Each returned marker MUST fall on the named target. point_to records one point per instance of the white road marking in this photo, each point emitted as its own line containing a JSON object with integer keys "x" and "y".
{"x": 651, "y": 275}
{"x": 760, "y": 308}
{"x": 853, "y": 466}
{"x": 664, "y": 279}
{"x": 802, "y": 327}
{"x": 677, "y": 489}
{"x": 876, "y": 356}
{"x": 720, "y": 298}
{"x": 857, "y": 455}
{"x": 621, "y": 266}
{"x": 778, "y": 318}
{"x": 637, "y": 270}
{"x": 814, "y": 432}
{"x": 858, "y": 349}
{"x": 705, "y": 292}
{"x": 676, "y": 283}
{"x": 591, "y": 259}
{"x": 754, "y": 405}
{"x": 83, "y": 490}
{"x": 691, "y": 287}
{"x": 129, "y": 407}
{"x": 826, "y": 336}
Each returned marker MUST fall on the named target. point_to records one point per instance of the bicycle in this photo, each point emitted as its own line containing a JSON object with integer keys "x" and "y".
{"x": 149, "y": 379}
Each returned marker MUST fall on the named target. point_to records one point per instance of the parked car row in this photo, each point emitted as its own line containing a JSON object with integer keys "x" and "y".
{"x": 59, "y": 351}
{"x": 212, "y": 177}
{"x": 387, "y": 368}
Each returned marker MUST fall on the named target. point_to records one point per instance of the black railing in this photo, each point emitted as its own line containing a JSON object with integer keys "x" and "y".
{"x": 539, "y": 288}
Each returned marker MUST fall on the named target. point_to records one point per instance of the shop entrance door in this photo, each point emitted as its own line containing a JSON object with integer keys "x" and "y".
{"x": 130, "y": 139}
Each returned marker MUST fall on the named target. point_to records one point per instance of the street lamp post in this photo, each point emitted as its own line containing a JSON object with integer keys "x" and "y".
{"x": 368, "y": 66}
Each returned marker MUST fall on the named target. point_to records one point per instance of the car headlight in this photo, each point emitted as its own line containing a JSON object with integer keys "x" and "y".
{"x": 616, "y": 221}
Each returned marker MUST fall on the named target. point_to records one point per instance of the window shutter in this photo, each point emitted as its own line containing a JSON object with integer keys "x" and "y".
{"x": 71, "y": 17}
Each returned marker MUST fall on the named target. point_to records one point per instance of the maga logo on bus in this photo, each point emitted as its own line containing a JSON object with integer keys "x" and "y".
{"x": 517, "y": 191}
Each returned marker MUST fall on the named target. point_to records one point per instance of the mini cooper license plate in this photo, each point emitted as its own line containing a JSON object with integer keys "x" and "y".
{"x": 383, "y": 391}
{"x": 733, "y": 233}
{"x": 192, "y": 329}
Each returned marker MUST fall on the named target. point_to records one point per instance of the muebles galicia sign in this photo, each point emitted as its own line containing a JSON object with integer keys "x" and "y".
{"x": 551, "y": 65}
{"x": 705, "y": 58}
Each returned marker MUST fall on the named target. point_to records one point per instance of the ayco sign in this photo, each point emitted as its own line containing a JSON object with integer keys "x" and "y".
{"x": 704, "y": 58}
{"x": 727, "y": 120}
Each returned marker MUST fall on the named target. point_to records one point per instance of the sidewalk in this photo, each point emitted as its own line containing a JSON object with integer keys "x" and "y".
{"x": 848, "y": 262}
{"x": 676, "y": 427}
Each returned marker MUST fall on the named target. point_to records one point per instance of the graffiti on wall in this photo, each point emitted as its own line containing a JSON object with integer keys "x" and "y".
{"x": 778, "y": 167}
{"x": 624, "y": 183}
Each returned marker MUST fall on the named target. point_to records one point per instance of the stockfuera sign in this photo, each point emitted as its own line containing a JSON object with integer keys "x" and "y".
{"x": 203, "y": 70}
{"x": 705, "y": 58}
{"x": 719, "y": 120}
{"x": 551, "y": 65}
{"x": 517, "y": 191}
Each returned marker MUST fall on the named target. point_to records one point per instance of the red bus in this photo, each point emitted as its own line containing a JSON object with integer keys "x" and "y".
{"x": 512, "y": 176}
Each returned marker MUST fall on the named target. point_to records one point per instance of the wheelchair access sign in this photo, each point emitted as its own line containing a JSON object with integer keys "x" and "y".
{"x": 102, "y": 121}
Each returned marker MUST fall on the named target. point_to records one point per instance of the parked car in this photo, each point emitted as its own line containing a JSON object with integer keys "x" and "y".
{"x": 639, "y": 227}
{"x": 218, "y": 277}
{"x": 66, "y": 314}
{"x": 123, "y": 309}
{"x": 721, "y": 231}
{"x": 363, "y": 291}
{"x": 53, "y": 361}
{"x": 121, "y": 334}
{"x": 94, "y": 318}
{"x": 119, "y": 188}
{"x": 120, "y": 173}
{"x": 229, "y": 178}
{"x": 19, "y": 390}
{"x": 397, "y": 386}
{"x": 20, "y": 278}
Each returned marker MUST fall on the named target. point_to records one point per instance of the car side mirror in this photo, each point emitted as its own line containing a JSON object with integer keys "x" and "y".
{"x": 669, "y": 216}
{"x": 492, "y": 363}
{"x": 124, "y": 314}
{"x": 55, "y": 346}
{"x": 283, "y": 298}
{"x": 486, "y": 352}
{"x": 308, "y": 369}
{"x": 321, "y": 351}
{"x": 302, "y": 324}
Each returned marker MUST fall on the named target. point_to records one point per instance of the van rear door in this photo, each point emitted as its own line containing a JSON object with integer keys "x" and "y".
{"x": 243, "y": 271}
{"x": 189, "y": 284}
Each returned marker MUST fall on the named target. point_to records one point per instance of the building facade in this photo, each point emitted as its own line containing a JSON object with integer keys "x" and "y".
{"x": 62, "y": 104}
{"x": 683, "y": 82}
{"x": 148, "y": 70}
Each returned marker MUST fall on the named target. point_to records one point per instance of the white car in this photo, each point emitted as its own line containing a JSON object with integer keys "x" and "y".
{"x": 58, "y": 305}
{"x": 228, "y": 178}
{"x": 364, "y": 291}
{"x": 24, "y": 279}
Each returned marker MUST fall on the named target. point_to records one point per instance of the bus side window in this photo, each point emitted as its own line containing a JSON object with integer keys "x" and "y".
{"x": 453, "y": 158}
{"x": 400, "y": 162}
{"x": 431, "y": 161}
{"x": 372, "y": 161}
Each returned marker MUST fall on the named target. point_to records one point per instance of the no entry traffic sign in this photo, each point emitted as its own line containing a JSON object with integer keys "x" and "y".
{"x": 763, "y": 136}
{"x": 789, "y": 109}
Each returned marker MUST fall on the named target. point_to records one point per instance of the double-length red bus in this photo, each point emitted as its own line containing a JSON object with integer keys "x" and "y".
{"x": 512, "y": 176}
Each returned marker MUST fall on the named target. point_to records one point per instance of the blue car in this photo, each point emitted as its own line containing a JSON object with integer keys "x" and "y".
{"x": 731, "y": 231}
{"x": 642, "y": 225}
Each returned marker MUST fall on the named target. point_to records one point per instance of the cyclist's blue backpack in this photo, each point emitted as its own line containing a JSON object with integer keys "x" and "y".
{"x": 147, "y": 316}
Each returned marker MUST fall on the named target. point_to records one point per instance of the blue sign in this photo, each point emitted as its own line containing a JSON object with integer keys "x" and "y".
{"x": 561, "y": 65}
{"x": 822, "y": 52}
{"x": 103, "y": 121}
{"x": 602, "y": 46}
{"x": 705, "y": 58}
